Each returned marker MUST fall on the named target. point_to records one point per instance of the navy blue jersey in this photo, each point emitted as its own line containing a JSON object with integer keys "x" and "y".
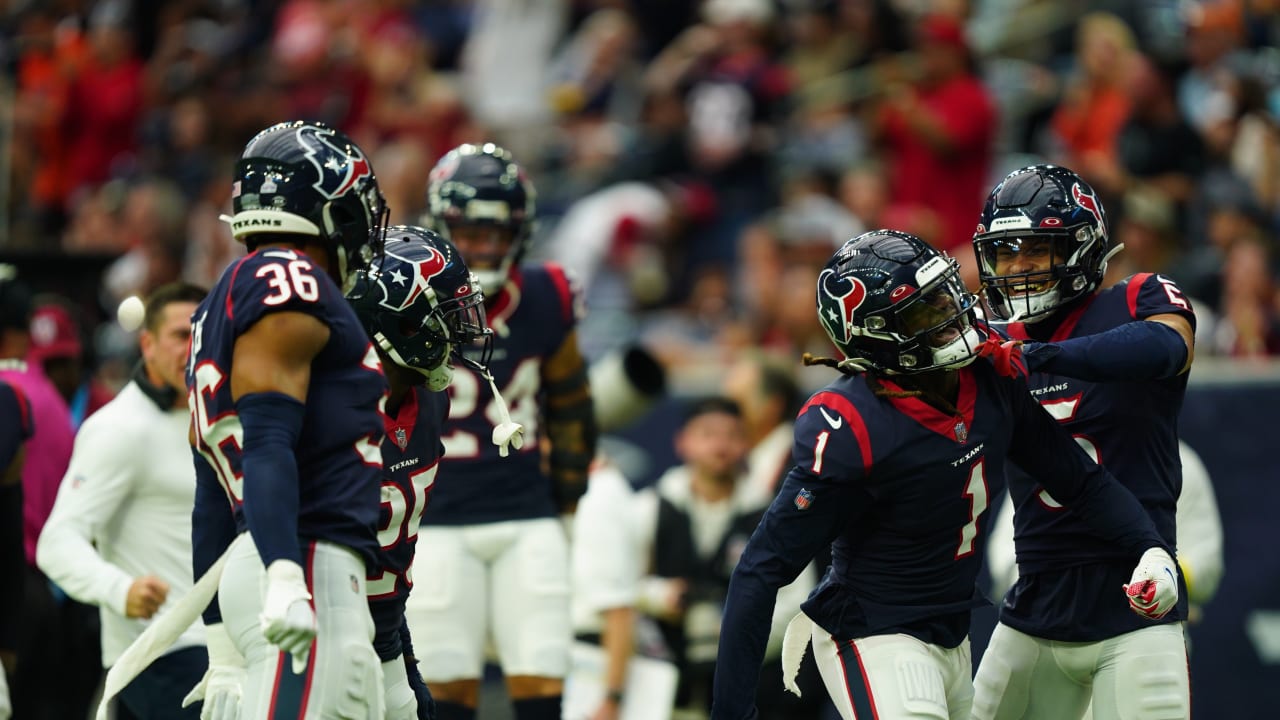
{"x": 901, "y": 490}
{"x": 338, "y": 454}
{"x": 1129, "y": 427}
{"x": 411, "y": 453}
{"x": 531, "y": 318}
{"x": 17, "y": 425}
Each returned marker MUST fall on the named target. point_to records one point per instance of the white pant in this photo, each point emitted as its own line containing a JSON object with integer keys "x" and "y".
{"x": 510, "y": 579}
{"x": 895, "y": 676}
{"x": 343, "y": 677}
{"x": 1141, "y": 675}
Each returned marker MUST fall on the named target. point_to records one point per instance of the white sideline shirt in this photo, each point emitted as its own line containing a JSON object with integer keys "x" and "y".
{"x": 123, "y": 511}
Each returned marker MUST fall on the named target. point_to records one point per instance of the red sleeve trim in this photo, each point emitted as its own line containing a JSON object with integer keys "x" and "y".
{"x": 1131, "y": 292}
{"x": 561, "y": 283}
{"x": 846, "y": 410}
{"x": 231, "y": 287}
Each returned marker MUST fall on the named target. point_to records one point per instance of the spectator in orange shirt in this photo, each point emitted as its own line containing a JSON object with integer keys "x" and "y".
{"x": 1094, "y": 106}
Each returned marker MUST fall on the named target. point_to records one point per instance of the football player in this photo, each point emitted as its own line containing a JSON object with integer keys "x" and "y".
{"x": 1111, "y": 366}
{"x": 419, "y": 304}
{"x": 499, "y": 562}
{"x": 894, "y": 463}
{"x": 285, "y": 391}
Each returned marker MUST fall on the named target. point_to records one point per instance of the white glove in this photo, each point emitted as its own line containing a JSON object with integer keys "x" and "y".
{"x": 1153, "y": 588}
{"x": 220, "y": 686}
{"x": 6, "y": 710}
{"x": 288, "y": 621}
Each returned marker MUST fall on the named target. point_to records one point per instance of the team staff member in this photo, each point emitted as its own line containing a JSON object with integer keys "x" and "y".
{"x": 119, "y": 536}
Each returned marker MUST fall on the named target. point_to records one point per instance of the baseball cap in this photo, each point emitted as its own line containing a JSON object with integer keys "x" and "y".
{"x": 54, "y": 334}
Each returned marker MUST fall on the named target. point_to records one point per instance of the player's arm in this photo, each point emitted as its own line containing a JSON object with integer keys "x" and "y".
{"x": 571, "y": 421}
{"x": 270, "y": 374}
{"x": 426, "y": 704}
{"x": 1159, "y": 342}
{"x": 98, "y": 479}
{"x": 820, "y": 495}
{"x": 1043, "y": 448}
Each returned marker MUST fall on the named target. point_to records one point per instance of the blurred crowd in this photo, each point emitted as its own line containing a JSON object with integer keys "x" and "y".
{"x": 696, "y": 162}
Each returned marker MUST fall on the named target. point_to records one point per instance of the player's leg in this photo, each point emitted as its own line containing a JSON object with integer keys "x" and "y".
{"x": 240, "y": 599}
{"x": 447, "y": 611}
{"x": 343, "y": 670}
{"x": 957, "y": 678}
{"x": 1143, "y": 675}
{"x": 888, "y": 676}
{"x": 531, "y": 622}
{"x": 1021, "y": 676}
{"x": 343, "y": 677}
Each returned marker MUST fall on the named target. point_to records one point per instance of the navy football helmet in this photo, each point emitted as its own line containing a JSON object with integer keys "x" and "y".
{"x": 420, "y": 305}
{"x": 1047, "y": 222}
{"x": 483, "y": 185}
{"x": 310, "y": 179}
{"x": 893, "y": 304}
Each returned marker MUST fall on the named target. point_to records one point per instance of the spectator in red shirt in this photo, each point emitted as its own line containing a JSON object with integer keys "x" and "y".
{"x": 105, "y": 102}
{"x": 938, "y": 134}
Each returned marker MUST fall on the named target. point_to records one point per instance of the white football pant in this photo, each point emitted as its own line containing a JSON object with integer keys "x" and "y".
{"x": 1141, "y": 675}
{"x": 895, "y": 676}
{"x": 507, "y": 582}
{"x": 343, "y": 678}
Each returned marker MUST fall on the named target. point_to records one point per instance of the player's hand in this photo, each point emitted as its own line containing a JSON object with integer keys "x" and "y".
{"x": 288, "y": 621}
{"x": 1153, "y": 589}
{"x": 145, "y": 597}
{"x": 1005, "y": 356}
{"x": 220, "y": 686}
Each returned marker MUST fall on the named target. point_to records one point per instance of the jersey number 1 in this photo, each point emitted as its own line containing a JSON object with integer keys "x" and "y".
{"x": 976, "y": 490}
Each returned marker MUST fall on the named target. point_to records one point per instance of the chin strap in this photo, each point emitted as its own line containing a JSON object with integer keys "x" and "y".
{"x": 508, "y": 433}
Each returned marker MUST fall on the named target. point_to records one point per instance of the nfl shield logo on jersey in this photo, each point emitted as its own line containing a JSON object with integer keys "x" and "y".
{"x": 402, "y": 439}
{"x": 804, "y": 499}
{"x": 962, "y": 432}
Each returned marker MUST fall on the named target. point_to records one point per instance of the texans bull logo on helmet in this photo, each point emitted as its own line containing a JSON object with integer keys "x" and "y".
{"x": 336, "y": 175}
{"x": 1088, "y": 201}
{"x": 839, "y": 297}
{"x": 423, "y": 271}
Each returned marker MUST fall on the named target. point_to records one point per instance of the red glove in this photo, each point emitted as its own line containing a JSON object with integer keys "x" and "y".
{"x": 1005, "y": 355}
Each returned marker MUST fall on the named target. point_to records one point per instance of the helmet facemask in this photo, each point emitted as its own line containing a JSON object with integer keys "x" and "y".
{"x": 1060, "y": 275}
{"x": 936, "y": 328}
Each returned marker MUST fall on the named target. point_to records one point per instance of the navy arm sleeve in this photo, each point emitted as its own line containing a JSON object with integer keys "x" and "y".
{"x": 272, "y": 422}
{"x": 213, "y": 527}
{"x": 426, "y": 703}
{"x": 1042, "y": 448}
{"x": 1137, "y": 350}
{"x": 820, "y": 496}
